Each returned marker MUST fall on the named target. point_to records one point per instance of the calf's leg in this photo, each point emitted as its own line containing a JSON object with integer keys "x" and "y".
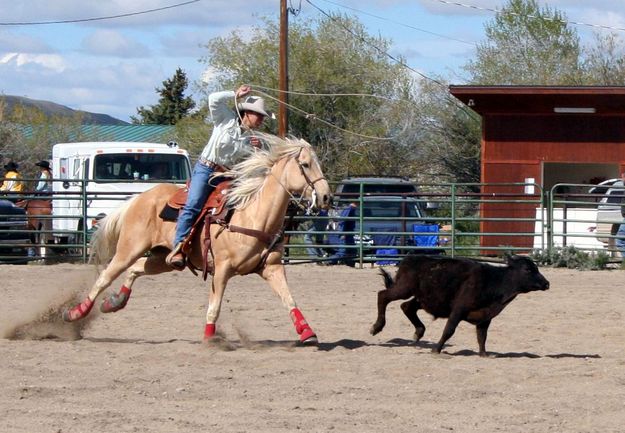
{"x": 450, "y": 328}
{"x": 482, "y": 330}
{"x": 410, "y": 308}
{"x": 393, "y": 293}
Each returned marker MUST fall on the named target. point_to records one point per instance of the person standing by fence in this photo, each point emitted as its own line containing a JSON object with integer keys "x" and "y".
{"x": 619, "y": 241}
{"x": 45, "y": 177}
{"x": 12, "y": 180}
{"x": 344, "y": 255}
{"x": 317, "y": 224}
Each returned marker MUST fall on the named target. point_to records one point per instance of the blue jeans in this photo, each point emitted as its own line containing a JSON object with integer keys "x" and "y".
{"x": 312, "y": 239}
{"x": 199, "y": 190}
{"x": 343, "y": 254}
{"x": 620, "y": 240}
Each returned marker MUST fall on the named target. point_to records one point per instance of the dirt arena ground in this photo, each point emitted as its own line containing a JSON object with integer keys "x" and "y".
{"x": 557, "y": 359}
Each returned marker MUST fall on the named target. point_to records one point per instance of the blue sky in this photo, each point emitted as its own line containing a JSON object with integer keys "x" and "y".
{"x": 113, "y": 66}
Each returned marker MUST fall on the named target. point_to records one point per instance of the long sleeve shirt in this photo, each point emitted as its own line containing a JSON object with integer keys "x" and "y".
{"x": 228, "y": 143}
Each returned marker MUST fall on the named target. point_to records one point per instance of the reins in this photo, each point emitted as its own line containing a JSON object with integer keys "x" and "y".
{"x": 272, "y": 240}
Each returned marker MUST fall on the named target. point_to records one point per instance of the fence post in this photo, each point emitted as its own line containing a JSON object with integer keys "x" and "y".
{"x": 361, "y": 218}
{"x": 83, "y": 190}
{"x": 548, "y": 219}
{"x": 453, "y": 219}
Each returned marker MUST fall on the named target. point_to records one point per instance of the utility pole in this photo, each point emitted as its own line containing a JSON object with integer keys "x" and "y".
{"x": 283, "y": 80}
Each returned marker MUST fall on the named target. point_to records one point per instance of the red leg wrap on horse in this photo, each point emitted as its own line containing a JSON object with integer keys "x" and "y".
{"x": 79, "y": 311}
{"x": 209, "y": 331}
{"x": 298, "y": 320}
{"x": 125, "y": 290}
{"x": 117, "y": 301}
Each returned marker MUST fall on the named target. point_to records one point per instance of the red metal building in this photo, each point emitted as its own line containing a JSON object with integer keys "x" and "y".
{"x": 549, "y": 134}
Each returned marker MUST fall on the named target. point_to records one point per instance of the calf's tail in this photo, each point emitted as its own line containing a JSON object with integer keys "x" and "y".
{"x": 388, "y": 280}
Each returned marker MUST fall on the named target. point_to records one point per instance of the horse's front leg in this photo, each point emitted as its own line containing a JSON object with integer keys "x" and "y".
{"x": 275, "y": 275}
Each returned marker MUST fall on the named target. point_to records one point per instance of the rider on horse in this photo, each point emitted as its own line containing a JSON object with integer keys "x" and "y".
{"x": 227, "y": 145}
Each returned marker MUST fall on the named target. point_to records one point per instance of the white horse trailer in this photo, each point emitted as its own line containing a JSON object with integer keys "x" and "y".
{"x": 93, "y": 178}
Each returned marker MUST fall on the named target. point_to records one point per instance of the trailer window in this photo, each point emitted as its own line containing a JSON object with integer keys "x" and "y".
{"x": 141, "y": 167}
{"x": 64, "y": 168}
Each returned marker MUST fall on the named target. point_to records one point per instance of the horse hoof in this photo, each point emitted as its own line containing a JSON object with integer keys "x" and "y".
{"x": 116, "y": 302}
{"x": 209, "y": 331}
{"x": 79, "y": 311}
{"x": 112, "y": 304}
{"x": 308, "y": 338}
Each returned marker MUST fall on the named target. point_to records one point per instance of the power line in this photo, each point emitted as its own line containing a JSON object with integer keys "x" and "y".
{"x": 577, "y": 23}
{"x": 82, "y": 20}
{"x": 378, "y": 49}
{"x": 390, "y": 56}
{"x": 401, "y": 24}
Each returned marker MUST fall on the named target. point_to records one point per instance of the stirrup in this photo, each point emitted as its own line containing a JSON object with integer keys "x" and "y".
{"x": 176, "y": 258}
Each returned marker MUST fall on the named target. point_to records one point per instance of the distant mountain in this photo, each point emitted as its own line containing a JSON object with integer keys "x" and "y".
{"x": 53, "y": 109}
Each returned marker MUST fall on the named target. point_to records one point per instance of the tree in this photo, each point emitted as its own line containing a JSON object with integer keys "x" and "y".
{"x": 527, "y": 45}
{"x": 604, "y": 63}
{"x": 450, "y": 136}
{"x": 27, "y": 135}
{"x": 172, "y": 105}
{"x": 339, "y": 75}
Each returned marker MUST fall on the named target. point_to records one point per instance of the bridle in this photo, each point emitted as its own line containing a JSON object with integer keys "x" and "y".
{"x": 309, "y": 184}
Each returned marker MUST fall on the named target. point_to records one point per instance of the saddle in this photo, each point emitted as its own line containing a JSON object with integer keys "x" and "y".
{"x": 213, "y": 212}
{"x": 215, "y": 202}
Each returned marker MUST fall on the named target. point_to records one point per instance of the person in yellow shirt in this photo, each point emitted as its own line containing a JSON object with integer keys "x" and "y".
{"x": 12, "y": 178}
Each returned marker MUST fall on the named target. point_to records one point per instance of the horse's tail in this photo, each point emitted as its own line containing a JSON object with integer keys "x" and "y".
{"x": 104, "y": 241}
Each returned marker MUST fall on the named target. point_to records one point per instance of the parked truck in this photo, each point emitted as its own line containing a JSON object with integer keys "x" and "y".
{"x": 93, "y": 178}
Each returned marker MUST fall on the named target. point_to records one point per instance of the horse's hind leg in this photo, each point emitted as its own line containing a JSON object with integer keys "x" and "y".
{"x": 154, "y": 264}
{"x": 276, "y": 277}
{"x": 218, "y": 286}
{"x": 117, "y": 265}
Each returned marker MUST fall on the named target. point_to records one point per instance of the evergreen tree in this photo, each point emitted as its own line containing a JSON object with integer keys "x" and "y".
{"x": 172, "y": 105}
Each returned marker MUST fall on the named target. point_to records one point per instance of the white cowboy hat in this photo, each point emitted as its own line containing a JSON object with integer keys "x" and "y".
{"x": 253, "y": 103}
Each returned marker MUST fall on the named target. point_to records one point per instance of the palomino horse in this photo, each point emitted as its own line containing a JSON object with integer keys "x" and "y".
{"x": 263, "y": 186}
{"x": 39, "y": 213}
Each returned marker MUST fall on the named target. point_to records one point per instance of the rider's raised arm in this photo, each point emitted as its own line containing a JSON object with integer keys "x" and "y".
{"x": 219, "y": 105}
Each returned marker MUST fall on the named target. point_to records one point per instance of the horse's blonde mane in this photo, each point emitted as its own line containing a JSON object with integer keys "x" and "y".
{"x": 249, "y": 175}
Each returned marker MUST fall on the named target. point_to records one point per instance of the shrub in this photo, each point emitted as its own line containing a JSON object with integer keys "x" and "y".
{"x": 571, "y": 258}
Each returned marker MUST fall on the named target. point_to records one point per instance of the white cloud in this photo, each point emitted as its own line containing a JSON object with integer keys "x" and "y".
{"x": 113, "y": 43}
{"x": 17, "y": 42}
{"x": 20, "y": 60}
{"x": 184, "y": 44}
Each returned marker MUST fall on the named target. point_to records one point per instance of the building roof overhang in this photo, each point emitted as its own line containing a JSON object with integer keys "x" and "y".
{"x": 554, "y": 100}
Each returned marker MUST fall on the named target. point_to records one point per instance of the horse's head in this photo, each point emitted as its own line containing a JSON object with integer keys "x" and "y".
{"x": 292, "y": 162}
{"x": 305, "y": 177}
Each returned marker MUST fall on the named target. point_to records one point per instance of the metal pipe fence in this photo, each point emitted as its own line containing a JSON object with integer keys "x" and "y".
{"x": 455, "y": 219}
